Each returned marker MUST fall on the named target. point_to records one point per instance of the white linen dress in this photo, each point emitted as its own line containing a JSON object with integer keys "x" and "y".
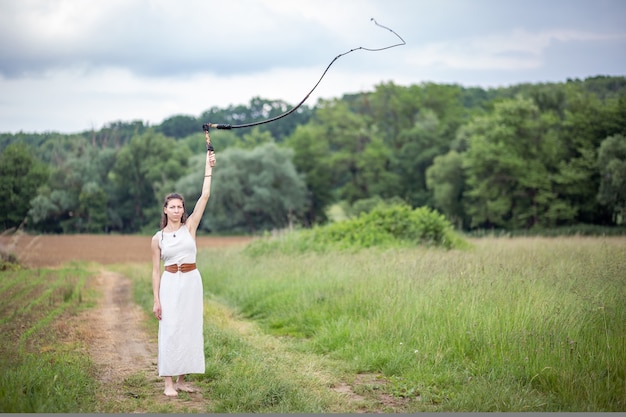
{"x": 181, "y": 339}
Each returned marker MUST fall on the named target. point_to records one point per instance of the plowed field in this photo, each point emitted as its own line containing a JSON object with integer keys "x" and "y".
{"x": 53, "y": 250}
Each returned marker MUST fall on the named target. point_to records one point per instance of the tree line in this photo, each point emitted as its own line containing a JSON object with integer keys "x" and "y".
{"x": 521, "y": 157}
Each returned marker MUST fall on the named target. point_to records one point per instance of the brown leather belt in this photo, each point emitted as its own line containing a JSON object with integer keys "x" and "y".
{"x": 182, "y": 268}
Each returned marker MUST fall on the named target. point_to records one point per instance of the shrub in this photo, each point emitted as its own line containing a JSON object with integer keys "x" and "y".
{"x": 8, "y": 261}
{"x": 384, "y": 226}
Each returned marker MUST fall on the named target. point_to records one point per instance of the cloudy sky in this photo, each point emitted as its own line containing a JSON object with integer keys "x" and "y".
{"x": 75, "y": 65}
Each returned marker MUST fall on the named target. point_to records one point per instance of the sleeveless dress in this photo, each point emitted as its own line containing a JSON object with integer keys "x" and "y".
{"x": 181, "y": 339}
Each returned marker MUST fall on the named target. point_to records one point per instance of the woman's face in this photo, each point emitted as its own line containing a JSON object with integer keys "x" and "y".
{"x": 174, "y": 209}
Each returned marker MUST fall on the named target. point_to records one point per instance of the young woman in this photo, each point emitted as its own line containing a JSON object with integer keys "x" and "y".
{"x": 178, "y": 293}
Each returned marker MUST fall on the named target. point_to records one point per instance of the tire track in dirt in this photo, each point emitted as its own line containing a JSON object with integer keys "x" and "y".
{"x": 121, "y": 346}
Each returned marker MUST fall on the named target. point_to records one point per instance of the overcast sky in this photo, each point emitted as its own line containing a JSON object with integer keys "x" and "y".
{"x": 75, "y": 65}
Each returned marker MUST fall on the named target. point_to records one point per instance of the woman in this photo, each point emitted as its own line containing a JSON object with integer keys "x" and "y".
{"x": 178, "y": 294}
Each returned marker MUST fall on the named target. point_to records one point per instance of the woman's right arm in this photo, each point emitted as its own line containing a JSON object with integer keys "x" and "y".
{"x": 156, "y": 276}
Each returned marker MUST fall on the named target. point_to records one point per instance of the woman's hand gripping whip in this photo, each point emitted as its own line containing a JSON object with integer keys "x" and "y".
{"x": 207, "y": 126}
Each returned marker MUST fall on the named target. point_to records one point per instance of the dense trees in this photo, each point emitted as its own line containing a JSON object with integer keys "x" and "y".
{"x": 254, "y": 190}
{"x": 612, "y": 164}
{"x": 20, "y": 175}
{"x": 511, "y": 158}
{"x": 526, "y": 156}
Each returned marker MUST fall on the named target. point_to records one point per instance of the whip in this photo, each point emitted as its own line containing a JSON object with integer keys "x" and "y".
{"x": 207, "y": 126}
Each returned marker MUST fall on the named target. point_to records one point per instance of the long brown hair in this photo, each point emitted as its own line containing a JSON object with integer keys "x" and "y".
{"x": 173, "y": 196}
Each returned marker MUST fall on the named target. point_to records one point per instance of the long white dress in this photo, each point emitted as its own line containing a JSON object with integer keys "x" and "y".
{"x": 181, "y": 339}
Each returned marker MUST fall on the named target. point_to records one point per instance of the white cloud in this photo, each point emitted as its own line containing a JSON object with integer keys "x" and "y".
{"x": 515, "y": 50}
{"x": 72, "y": 101}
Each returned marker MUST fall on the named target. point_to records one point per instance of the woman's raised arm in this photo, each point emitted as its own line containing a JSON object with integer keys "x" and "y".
{"x": 193, "y": 221}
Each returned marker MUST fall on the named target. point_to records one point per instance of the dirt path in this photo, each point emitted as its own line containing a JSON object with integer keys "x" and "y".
{"x": 121, "y": 346}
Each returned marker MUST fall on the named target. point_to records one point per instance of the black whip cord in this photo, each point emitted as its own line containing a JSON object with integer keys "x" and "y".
{"x": 207, "y": 126}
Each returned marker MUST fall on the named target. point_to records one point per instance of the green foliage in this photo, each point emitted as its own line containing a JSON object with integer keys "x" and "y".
{"x": 514, "y": 158}
{"x": 416, "y": 124}
{"x": 510, "y": 164}
{"x": 312, "y": 159}
{"x": 357, "y": 159}
{"x": 8, "y": 261}
{"x": 388, "y": 224}
{"x": 116, "y": 134}
{"x": 384, "y": 226}
{"x": 612, "y": 164}
{"x": 587, "y": 122}
{"x": 20, "y": 176}
{"x": 366, "y": 205}
{"x": 76, "y": 197}
{"x": 253, "y": 190}
{"x": 446, "y": 178}
{"x": 179, "y": 126}
{"x": 93, "y": 205}
{"x": 144, "y": 172}
{"x": 420, "y": 144}
{"x": 259, "y": 109}
{"x": 253, "y": 139}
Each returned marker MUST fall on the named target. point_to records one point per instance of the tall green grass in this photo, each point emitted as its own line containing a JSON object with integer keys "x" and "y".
{"x": 37, "y": 374}
{"x": 525, "y": 324}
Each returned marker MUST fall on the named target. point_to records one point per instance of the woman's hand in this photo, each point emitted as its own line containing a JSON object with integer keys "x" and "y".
{"x": 209, "y": 148}
{"x": 212, "y": 158}
{"x": 156, "y": 309}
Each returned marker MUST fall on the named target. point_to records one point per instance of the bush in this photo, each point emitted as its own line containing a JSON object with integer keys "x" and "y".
{"x": 384, "y": 226}
{"x": 8, "y": 261}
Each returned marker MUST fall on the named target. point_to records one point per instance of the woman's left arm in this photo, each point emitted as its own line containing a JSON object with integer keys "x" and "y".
{"x": 193, "y": 221}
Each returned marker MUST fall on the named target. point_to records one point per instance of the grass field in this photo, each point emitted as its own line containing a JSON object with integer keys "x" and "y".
{"x": 522, "y": 324}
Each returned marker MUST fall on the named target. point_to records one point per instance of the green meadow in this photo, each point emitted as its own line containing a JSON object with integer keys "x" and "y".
{"x": 505, "y": 324}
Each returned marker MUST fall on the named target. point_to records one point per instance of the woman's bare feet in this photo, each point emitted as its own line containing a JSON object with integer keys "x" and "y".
{"x": 182, "y": 386}
{"x": 170, "y": 390}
